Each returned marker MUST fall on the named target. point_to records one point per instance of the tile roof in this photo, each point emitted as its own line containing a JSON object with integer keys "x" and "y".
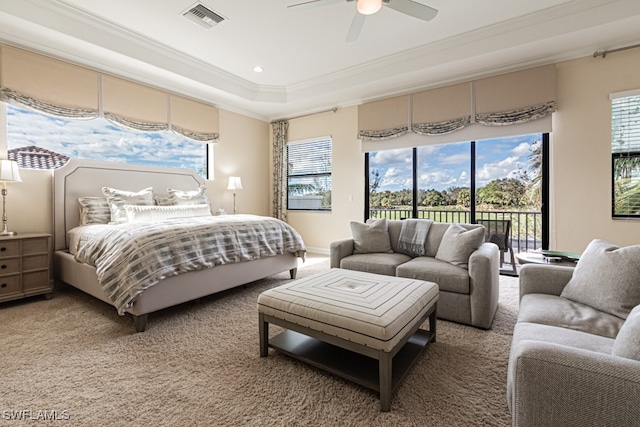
{"x": 33, "y": 157}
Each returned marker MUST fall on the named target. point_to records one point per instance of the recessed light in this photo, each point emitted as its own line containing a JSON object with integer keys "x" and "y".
{"x": 257, "y": 69}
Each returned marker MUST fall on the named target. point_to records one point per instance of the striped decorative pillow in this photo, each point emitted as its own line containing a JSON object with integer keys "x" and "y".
{"x": 118, "y": 198}
{"x": 195, "y": 197}
{"x": 94, "y": 210}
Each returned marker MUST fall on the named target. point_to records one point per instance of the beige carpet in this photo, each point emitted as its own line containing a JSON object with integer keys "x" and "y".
{"x": 198, "y": 365}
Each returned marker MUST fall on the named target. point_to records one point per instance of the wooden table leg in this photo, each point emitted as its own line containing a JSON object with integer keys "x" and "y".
{"x": 263, "y": 330}
{"x": 385, "y": 368}
{"x": 432, "y": 322}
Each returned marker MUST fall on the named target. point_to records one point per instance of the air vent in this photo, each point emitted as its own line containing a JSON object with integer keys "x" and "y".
{"x": 203, "y": 16}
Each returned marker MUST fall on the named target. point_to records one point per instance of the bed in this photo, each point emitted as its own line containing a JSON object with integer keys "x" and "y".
{"x": 83, "y": 178}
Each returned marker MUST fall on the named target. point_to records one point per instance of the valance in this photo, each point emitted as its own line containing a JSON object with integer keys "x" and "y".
{"x": 47, "y": 85}
{"x": 58, "y": 88}
{"x": 509, "y": 99}
{"x": 384, "y": 119}
{"x": 442, "y": 110}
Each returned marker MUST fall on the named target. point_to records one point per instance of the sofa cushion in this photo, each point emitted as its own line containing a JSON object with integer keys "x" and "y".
{"x": 524, "y": 331}
{"x": 449, "y": 277}
{"x": 372, "y": 237}
{"x": 374, "y": 263}
{"x": 606, "y": 278}
{"x": 553, "y": 310}
{"x": 627, "y": 342}
{"x": 458, "y": 243}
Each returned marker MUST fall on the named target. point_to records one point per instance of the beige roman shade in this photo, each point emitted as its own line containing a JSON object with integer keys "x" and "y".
{"x": 388, "y": 118}
{"x": 61, "y": 89}
{"x": 48, "y": 85}
{"x": 516, "y": 97}
{"x": 134, "y": 106}
{"x": 515, "y": 103}
{"x": 441, "y": 111}
{"x": 194, "y": 120}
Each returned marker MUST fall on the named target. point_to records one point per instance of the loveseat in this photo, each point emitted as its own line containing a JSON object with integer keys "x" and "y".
{"x": 575, "y": 352}
{"x": 455, "y": 257}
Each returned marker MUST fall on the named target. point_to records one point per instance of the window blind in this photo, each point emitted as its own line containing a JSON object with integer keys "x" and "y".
{"x": 625, "y": 154}
{"x": 309, "y": 175}
{"x": 625, "y": 124}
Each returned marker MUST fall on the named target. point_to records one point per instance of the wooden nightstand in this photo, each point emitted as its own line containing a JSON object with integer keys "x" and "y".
{"x": 25, "y": 261}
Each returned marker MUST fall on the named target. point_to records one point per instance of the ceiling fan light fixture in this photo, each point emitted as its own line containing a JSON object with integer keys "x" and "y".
{"x": 368, "y": 7}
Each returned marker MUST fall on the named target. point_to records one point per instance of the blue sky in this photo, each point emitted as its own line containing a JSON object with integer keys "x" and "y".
{"x": 444, "y": 166}
{"x": 98, "y": 139}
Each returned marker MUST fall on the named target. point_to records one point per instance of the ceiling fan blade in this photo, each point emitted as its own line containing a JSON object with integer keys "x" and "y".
{"x": 412, "y": 8}
{"x": 356, "y": 27}
{"x": 310, "y": 4}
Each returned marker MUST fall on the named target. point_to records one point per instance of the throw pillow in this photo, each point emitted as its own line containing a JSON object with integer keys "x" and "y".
{"x": 627, "y": 343}
{"x": 94, "y": 210}
{"x": 606, "y": 278}
{"x": 195, "y": 197}
{"x": 118, "y": 198}
{"x": 137, "y": 213}
{"x": 458, "y": 244}
{"x": 372, "y": 237}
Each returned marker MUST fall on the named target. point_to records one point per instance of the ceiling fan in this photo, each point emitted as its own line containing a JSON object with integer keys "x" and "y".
{"x": 369, "y": 7}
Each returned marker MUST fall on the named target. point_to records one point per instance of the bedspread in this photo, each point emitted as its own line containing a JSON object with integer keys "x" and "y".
{"x": 130, "y": 258}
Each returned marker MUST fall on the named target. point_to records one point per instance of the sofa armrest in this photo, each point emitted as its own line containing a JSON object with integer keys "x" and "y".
{"x": 557, "y": 385}
{"x": 484, "y": 284}
{"x": 544, "y": 279}
{"x": 338, "y": 250}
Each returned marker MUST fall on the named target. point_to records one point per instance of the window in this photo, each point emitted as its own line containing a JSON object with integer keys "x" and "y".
{"x": 501, "y": 178}
{"x": 625, "y": 155}
{"x": 35, "y": 136}
{"x": 309, "y": 175}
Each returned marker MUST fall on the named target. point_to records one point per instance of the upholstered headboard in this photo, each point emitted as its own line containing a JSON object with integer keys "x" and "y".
{"x": 80, "y": 178}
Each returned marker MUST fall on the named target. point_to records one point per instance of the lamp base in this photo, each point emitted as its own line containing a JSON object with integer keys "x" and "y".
{"x": 7, "y": 233}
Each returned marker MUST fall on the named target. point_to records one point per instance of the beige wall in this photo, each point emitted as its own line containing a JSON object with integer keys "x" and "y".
{"x": 319, "y": 229}
{"x": 580, "y": 170}
{"x": 581, "y": 151}
{"x": 243, "y": 151}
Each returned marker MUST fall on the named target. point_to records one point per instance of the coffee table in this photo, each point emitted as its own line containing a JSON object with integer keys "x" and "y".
{"x": 361, "y": 326}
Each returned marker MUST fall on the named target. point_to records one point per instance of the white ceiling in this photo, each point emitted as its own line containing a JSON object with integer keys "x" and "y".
{"x": 308, "y": 66}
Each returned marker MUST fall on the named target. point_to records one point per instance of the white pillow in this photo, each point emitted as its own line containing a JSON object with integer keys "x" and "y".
{"x": 118, "y": 198}
{"x": 195, "y": 197}
{"x": 138, "y": 213}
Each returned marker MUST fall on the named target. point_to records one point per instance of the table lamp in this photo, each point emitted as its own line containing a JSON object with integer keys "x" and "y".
{"x": 8, "y": 173}
{"x": 235, "y": 183}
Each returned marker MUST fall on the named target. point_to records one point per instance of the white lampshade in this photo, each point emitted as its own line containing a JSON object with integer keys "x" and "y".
{"x": 235, "y": 183}
{"x": 369, "y": 7}
{"x": 9, "y": 171}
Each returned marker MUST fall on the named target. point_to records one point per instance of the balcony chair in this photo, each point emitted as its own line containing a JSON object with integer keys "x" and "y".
{"x": 498, "y": 231}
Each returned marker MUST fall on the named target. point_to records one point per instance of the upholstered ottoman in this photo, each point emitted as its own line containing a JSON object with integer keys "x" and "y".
{"x": 364, "y": 327}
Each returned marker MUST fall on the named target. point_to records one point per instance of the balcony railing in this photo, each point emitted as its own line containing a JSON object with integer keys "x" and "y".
{"x": 526, "y": 227}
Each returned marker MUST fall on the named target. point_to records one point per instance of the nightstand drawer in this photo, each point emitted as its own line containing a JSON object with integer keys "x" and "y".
{"x": 38, "y": 245}
{"x": 9, "y": 248}
{"x": 10, "y": 285}
{"x": 35, "y": 262}
{"x": 9, "y": 266}
{"x": 35, "y": 280}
